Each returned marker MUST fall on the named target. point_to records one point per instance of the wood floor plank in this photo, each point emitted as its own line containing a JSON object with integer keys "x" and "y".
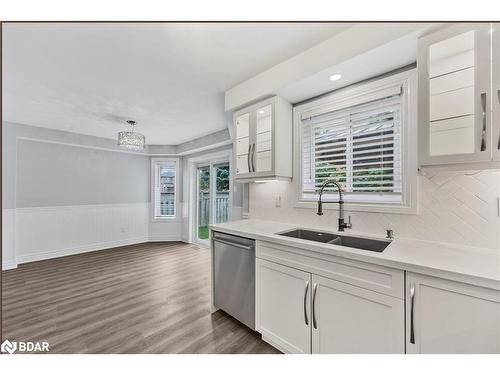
{"x": 146, "y": 298}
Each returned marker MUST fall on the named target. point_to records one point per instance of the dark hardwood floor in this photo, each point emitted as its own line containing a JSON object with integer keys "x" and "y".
{"x": 148, "y": 298}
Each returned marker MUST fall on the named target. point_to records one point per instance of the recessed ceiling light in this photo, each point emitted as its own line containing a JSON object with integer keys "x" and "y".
{"x": 261, "y": 112}
{"x": 335, "y": 77}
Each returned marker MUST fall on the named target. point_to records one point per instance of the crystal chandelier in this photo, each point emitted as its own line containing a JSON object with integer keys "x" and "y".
{"x": 131, "y": 140}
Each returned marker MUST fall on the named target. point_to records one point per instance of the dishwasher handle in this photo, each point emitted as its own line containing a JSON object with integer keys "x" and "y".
{"x": 244, "y": 247}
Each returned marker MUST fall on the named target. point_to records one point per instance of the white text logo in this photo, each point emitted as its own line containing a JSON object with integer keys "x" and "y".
{"x": 24, "y": 346}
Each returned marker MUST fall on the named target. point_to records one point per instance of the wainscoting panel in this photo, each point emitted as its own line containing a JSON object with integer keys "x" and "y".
{"x": 8, "y": 255}
{"x": 49, "y": 232}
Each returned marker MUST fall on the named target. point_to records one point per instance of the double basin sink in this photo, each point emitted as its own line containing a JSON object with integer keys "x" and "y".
{"x": 336, "y": 239}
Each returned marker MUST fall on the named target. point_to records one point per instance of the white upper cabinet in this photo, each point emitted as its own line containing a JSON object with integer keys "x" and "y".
{"x": 455, "y": 95}
{"x": 496, "y": 91}
{"x": 263, "y": 141}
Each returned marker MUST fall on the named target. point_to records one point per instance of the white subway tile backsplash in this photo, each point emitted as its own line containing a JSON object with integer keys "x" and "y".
{"x": 454, "y": 207}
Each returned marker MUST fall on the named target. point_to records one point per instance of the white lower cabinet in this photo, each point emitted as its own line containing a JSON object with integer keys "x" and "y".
{"x": 445, "y": 316}
{"x": 301, "y": 312}
{"x": 349, "y": 319}
{"x": 283, "y": 306}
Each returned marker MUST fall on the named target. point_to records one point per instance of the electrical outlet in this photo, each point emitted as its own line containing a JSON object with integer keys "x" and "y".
{"x": 122, "y": 230}
{"x": 277, "y": 201}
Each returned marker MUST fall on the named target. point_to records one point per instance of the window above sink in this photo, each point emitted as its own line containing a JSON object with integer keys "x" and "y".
{"x": 364, "y": 138}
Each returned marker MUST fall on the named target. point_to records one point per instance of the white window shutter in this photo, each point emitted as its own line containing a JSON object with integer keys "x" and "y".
{"x": 358, "y": 146}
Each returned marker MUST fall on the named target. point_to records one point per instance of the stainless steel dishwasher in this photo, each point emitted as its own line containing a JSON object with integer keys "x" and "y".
{"x": 234, "y": 276}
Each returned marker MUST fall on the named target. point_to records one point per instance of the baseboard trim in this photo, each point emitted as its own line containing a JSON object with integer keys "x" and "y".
{"x": 79, "y": 250}
{"x": 9, "y": 265}
{"x": 164, "y": 238}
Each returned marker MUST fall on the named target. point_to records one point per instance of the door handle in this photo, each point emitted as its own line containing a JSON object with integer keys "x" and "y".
{"x": 412, "y": 324}
{"x": 315, "y": 287}
{"x": 483, "y": 128}
{"x": 306, "y": 318}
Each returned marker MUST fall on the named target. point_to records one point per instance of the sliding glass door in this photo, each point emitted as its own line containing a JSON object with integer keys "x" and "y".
{"x": 212, "y": 198}
{"x": 221, "y": 193}
{"x": 203, "y": 204}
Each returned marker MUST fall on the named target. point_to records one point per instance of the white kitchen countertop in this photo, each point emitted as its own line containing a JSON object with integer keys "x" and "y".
{"x": 475, "y": 265}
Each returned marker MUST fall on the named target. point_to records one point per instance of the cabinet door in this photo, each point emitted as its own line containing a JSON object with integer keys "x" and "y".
{"x": 449, "y": 317}
{"x": 349, "y": 319}
{"x": 242, "y": 143}
{"x": 263, "y": 152}
{"x": 454, "y": 95}
{"x": 283, "y": 306}
{"x": 496, "y": 90}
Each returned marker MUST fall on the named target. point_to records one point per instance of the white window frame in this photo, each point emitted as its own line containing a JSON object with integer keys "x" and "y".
{"x": 210, "y": 158}
{"x": 350, "y": 96}
{"x": 154, "y": 162}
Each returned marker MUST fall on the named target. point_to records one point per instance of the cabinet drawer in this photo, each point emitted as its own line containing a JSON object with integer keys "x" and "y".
{"x": 380, "y": 279}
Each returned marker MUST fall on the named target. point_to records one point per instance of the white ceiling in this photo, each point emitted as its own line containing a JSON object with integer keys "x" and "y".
{"x": 89, "y": 78}
{"x": 383, "y": 59}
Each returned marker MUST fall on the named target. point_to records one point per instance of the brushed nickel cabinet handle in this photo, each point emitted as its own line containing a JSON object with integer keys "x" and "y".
{"x": 233, "y": 244}
{"x": 315, "y": 287}
{"x": 306, "y": 318}
{"x": 483, "y": 129}
{"x": 253, "y": 155}
{"x": 248, "y": 157}
{"x": 498, "y": 97}
{"x": 412, "y": 324}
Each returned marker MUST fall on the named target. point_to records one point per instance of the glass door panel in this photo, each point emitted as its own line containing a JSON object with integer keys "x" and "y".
{"x": 203, "y": 203}
{"x": 451, "y": 95}
{"x": 242, "y": 143}
{"x": 221, "y": 193}
{"x": 263, "y": 139}
{"x": 496, "y": 90}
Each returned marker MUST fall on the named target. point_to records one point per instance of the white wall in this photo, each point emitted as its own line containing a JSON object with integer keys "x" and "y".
{"x": 454, "y": 207}
{"x": 65, "y": 193}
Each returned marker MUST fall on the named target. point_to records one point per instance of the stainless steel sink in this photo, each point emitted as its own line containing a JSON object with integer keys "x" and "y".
{"x": 341, "y": 240}
{"x": 310, "y": 235}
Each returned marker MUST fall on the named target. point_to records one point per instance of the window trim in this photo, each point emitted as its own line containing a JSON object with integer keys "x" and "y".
{"x": 351, "y": 96}
{"x": 154, "y": 162}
